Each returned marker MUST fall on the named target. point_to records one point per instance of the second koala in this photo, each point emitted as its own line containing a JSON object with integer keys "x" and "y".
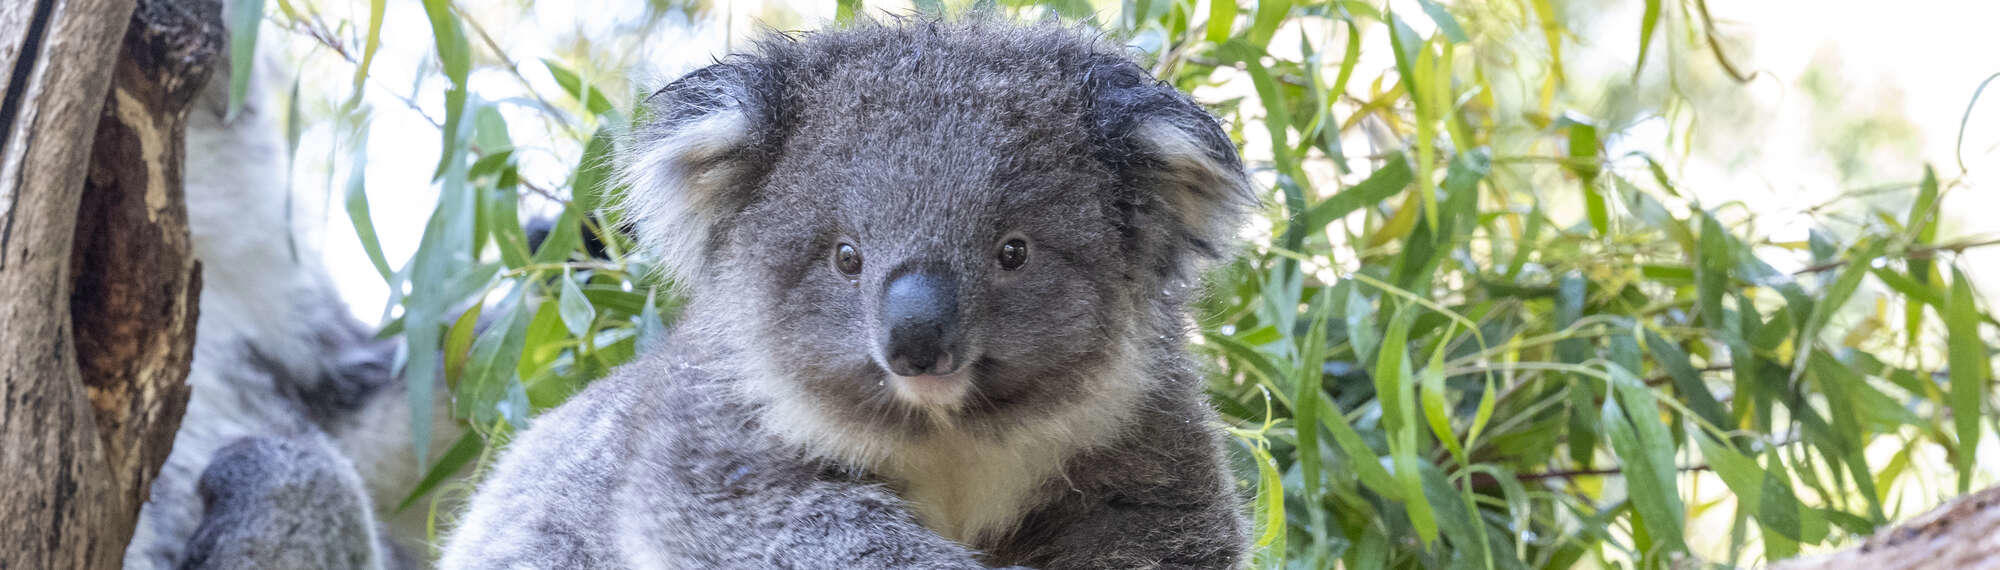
{"x": 937, "y": 278}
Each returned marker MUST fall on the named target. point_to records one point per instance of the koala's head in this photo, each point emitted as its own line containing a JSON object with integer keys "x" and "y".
{"x": 925, "y": 224}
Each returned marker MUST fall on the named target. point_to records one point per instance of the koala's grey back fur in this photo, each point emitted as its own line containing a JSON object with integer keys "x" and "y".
{"x": 767, "y": 432}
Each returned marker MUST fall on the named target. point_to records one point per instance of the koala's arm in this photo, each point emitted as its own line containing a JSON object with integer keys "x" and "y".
{"x": 655, "y": 467}
{"x": 547, "y": 503}
{"x": 1160, "y": 498}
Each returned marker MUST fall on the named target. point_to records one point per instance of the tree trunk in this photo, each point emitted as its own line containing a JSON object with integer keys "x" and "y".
{"x": 1962, "y": 534}
{"x": 97, "y": 279}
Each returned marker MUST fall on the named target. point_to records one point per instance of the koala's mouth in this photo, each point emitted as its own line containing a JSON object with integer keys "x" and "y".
{"x": 940, "y": 394}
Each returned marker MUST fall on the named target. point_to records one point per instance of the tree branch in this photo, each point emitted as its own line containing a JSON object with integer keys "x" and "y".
{"x": 1928, "y": 252}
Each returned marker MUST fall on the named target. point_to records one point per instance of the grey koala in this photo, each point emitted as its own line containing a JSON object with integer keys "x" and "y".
{"x": 937, "y": 276}
{"x": 283, "y": 503}
{"x": 296, "y": 426}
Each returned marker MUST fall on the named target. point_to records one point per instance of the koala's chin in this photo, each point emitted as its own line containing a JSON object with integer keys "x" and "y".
{"x": 945, "y": 393}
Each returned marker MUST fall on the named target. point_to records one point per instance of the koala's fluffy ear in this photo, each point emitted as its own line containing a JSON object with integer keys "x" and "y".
{"x": 1191, "y": 185}
{"x": 690, "y": 162}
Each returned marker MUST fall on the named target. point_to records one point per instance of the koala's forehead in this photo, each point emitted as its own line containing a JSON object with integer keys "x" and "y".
{"x": 967, "y": 88}
{"x": 938, "y": 124}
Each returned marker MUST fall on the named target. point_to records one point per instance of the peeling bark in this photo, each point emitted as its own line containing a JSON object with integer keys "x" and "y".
{"x": 97, "y": 278}
{"x": 1963, "y": 533}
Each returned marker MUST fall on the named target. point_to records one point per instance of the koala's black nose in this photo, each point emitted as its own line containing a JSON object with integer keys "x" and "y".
{"x": 920, "y": 311}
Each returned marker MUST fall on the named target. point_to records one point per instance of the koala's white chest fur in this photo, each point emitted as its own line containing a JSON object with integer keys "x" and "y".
{"x": 973, "y": 490}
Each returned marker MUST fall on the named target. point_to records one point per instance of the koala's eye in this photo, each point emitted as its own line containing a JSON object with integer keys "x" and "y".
{"x": 847, "y": 259}
{"x": 1013, "y": 253}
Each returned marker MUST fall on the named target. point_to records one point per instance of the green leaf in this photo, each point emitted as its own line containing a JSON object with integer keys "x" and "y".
{"x": 1832, "y": 297}
{"x": 1221, "y": 17}
{"x": 544, "y": 341}
{"x": 456, "y": 55}
{"x": 1306, "y": 403}
{"x": 1584, "y": 164}
{"x": 1646, "y": 25}
{"x": 489, "y": 130}
{"x": 1432, "y": 397}
{"x": 1921, "y": 293}
{"x": 594, "y": 172}
{"x": 592, "y": 98}
{"x": 1766, "y": 496}
{"x": 458, "y": 344}
{"x": 444, "y": 251}
{"x": 1366, "y": 464}
{"x": 294, "y": 130}
{"x": 1646, "y": 451}
{"x": 1405, "y": 43}
{"x": 1259, "y": 365}
{"x": 1445, "y": 23}
{"x": 1843, "y": 389}
{"x": 357, "y": 202}
{"x": 491, "y": 388}
{"x": 652, "y": 330}
{"x": 577, "y": 314}
{"x": 1397, "y": 392}
{"x": 1269, "y": 512}
{"x": 564, "y": 237}
{"x": 1687, "y": 381}
{"x": 1712, "y": 264}
{"x": 245, "y": 17}
{"x": 1277, "y": 118}
{"x": 1384, "y": 183}
{"x": 1970, "y": 371}
{"x": 1457, "y": 519}
{"x": 1360, "y": 319}
{"x": 373, "y": 42}
{"x": 504, "y": 223}
{"x": 461, "y": 453}
{"x": 1270, "y": 13}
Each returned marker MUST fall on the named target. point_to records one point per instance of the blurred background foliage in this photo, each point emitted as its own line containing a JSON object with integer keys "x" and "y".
{"x": 1485, "y": 323}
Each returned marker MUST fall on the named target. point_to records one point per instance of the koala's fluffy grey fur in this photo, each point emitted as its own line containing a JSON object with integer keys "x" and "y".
{"x": 282, "y": 503}
{"x": 296, "y": 424}
{"x": 1055, "y": 419}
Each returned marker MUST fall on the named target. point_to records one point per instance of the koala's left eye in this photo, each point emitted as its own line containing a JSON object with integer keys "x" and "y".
{"x": 1013, "y": 253}
{"x": 847, "y": 259}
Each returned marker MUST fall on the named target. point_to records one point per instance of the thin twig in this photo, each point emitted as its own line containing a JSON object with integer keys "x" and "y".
{"x": 1708, "y": 31}
{"x": 1294, "y": 80}
{"x": 538, "y": 189}
{"x": 515, "y": 70}
{"x": 1918, "y": 253}
{"x": 1662, "y": 379}
{"x": 1574, "y": 473}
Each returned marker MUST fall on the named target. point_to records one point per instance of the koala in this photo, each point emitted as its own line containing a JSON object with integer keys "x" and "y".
{"x": 282, "y": 503}
{"x": 297, "y": 426}
{"x": 937, "y": 277}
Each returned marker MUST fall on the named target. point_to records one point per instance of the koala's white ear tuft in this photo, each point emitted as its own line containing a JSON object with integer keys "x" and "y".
{"x": 685, "y": 168}
{"x": 1200, "y": 180}
{"x": 1193, "y": 192}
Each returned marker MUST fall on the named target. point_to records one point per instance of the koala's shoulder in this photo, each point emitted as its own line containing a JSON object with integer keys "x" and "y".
{"x": 657, "y": 386}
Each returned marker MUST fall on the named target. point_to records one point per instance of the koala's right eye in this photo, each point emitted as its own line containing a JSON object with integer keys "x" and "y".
{"x": 847, "y": 259}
